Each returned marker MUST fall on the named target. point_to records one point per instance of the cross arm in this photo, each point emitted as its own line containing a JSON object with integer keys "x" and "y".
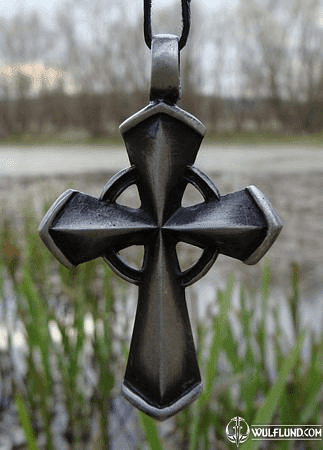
{"x": 79, "y": 227}
{"x": 242, "y": 225}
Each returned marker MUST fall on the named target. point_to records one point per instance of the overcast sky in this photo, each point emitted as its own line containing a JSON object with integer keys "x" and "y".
{"x": 9, "y": 7}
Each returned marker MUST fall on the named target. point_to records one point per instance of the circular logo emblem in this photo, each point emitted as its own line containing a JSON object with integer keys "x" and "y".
{"x": 237, "y": 431}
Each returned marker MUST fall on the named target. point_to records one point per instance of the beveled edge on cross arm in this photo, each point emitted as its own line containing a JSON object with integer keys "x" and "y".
{"x": 274, "y": 224}
{"x": 47, "y": 222}
{"x": 166, "y": 412}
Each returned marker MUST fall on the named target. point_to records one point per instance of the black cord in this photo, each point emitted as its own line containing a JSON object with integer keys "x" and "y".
{"x": 186, "y": 16}
{"x": 147, "y": 22}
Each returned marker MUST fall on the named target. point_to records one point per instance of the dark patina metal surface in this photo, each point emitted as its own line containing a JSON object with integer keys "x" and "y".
{"x": 162, "y": 142}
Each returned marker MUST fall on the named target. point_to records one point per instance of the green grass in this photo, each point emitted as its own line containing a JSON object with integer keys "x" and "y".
{"x": 233, "y": 367}
{"x": 25, "y": 421}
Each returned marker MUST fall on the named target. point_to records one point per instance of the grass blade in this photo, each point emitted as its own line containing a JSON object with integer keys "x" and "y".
{"x": 269, "y": 407}
{"x": 220, "y": 326}
{"x": 219, "y": 333}
{"x": 151, "y": 432}
{"x": 25, "y": 422}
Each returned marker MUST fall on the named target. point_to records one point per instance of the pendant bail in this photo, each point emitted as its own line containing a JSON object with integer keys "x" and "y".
{"x": 165, "y": 69}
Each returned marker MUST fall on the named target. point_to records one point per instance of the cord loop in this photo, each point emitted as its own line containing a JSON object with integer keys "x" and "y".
{"x": 186, "y": 17}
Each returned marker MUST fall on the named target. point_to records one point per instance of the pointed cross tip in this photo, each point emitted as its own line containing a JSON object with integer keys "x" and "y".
{"x": 162, "y": 413}
{"x": 47, "y": 221}
{"x": 274, "y": 224}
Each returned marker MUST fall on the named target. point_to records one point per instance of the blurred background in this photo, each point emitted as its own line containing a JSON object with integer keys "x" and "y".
{"x": 70, "y": 72}
{"x": 81, "y": 65}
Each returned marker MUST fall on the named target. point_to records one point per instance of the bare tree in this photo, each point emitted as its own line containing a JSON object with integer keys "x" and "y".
{"x": 95, "y": 37}
{"x": 281, "y": 57}
{"x": 104, "y": 50}
{"x": 25, "y": 39}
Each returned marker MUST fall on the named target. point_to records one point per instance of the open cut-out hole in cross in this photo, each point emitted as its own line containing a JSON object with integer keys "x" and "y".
{"x": 187, "y": 255}
{"x": 130, "y": 197}
{"x": 133, "y": 256}
{"x": 192, "y": 196}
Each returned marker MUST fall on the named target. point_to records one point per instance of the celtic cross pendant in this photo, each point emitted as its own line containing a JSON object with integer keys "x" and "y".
{"x": 162, "y": 141}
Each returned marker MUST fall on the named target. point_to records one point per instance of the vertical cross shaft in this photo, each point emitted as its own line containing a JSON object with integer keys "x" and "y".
{"x": 162, "y": 363}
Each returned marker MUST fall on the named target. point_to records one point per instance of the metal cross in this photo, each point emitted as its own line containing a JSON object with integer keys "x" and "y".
{"x": 162, "y": 142}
